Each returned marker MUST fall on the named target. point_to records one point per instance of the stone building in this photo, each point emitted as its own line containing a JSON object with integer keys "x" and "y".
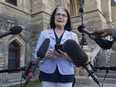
{"x": 33, "y": 15}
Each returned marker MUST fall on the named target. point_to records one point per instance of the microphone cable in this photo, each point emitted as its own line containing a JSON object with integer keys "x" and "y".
{"x": 21, "y": 83}
{"x": 105, "y": 77}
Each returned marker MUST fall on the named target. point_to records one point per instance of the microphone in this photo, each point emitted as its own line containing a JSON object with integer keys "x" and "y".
{"x": 101, "y": 41}
{"x": 14, "y": 30}
{"x": 82, "y": 29}
{"x": 43, "y": 48}
{"x": 74, "y": 51}
{"x": 29, "y": 71}
{"x": 78, "y": 56}
{"x": 105, "y": 68}
{"x": 13, "y": 70}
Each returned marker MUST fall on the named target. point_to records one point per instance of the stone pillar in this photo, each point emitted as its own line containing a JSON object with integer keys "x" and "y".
{"x": 24, "y": 5}
{"x": 41, "y": 12}
{"x": 90, "y": 5}
{"x": 106, "y": 9}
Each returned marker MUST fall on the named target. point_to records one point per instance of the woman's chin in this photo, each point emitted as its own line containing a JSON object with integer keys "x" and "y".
{"x": 60, "y": 25}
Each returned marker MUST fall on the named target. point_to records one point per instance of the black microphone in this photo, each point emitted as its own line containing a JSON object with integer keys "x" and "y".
{"x": 14, "y": 30}
{"x": 82, "y": 29}
{"x": 12, "y": 70}
{"x": 100, "y": 40}
{"x": 78, "y": 56}
{"x": 105, "y": 68}
{"x": 29, "y": 71}
{"x": 43, "y": 48}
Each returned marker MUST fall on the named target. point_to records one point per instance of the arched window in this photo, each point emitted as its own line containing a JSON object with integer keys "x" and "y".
{"x": 13, "y": 2}
{"x": 14, "y": 55}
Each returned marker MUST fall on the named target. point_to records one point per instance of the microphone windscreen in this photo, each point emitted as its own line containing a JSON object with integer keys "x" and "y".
{"x": 80, "y": 29}
{"x": 103, "y": 43}
{"x": 74, "y": 51}
{"x": 15, "y": 30}
{"x": 43, "y": 48}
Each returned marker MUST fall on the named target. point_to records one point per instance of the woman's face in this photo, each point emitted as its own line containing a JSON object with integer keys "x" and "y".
{"x": 60, "y": 18}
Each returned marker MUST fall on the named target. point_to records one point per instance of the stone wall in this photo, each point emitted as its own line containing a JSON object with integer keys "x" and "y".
{"x": 10, "y": 16}
{"x": 114, "y": 15}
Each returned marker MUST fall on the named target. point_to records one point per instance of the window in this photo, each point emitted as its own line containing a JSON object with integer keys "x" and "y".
{"x": 113, "y": 2}
{"x": 14, "y": 55}
{"x": 13, "y": 2}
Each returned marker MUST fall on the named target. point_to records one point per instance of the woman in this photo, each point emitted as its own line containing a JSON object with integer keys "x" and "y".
{"x": 57, "y": 69}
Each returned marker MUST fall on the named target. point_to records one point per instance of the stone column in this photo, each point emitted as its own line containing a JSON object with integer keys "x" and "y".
{"x": 106, "y": 9}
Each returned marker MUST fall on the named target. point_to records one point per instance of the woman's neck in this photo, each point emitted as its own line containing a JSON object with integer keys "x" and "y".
{"x": 58, "y": 31}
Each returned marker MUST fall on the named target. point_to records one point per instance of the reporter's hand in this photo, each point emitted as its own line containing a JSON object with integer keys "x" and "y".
{"x": 102, "y": 32}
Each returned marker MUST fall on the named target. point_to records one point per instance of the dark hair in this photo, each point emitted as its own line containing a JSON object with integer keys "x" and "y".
{"x": 68, "y": 24}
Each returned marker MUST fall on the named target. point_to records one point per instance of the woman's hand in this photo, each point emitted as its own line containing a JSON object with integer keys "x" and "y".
{"x": 62, "y": 54}
{"x": 50, "y": 53}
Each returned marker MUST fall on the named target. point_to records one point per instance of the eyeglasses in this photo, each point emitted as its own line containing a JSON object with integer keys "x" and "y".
{"x": 63, "y": 15}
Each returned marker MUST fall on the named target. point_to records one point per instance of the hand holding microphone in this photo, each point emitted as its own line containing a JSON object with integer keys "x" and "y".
{"x": 102, "y": 32}
{"x": 99, "y": 37}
